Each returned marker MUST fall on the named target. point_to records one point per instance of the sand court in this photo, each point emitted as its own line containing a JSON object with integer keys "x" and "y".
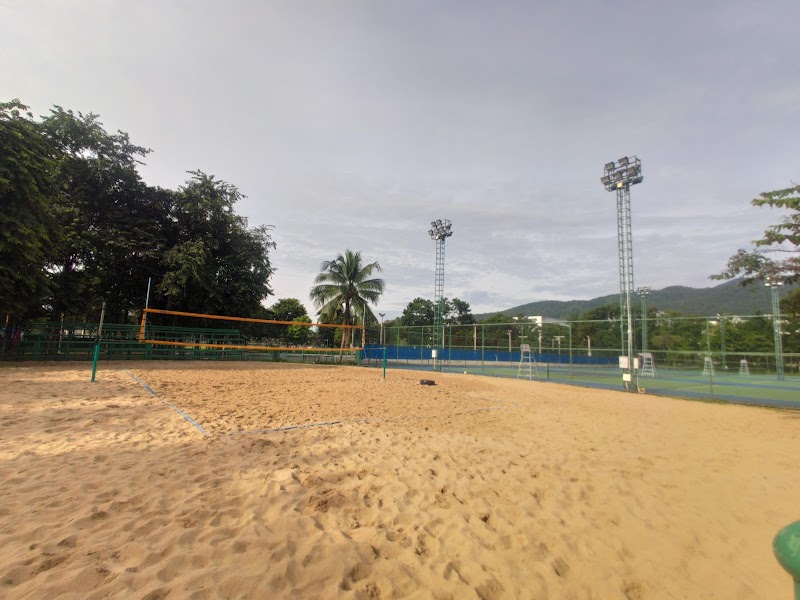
{"x": 473, "y": 488}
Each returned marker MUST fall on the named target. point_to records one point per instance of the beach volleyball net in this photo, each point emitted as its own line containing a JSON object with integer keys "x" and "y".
{"x": 181, "y": 330}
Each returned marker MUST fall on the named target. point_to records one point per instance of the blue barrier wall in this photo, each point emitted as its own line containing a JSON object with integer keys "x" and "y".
{"x": 375, "y": 352}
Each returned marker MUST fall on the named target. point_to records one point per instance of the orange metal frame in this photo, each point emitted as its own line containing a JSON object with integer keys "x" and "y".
{"x": 159, "y": 311}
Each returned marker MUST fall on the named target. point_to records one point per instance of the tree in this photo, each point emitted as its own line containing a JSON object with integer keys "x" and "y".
{"x": 790, "y": 310}
{"x": 287, "y": 309}
{"x": 28, "y": 230}
{"x": 346, "y": 284}
{"x": 216, "y": 263}
{"x": 418, "y": 313}
{"x": 299, "y": 334}
{"x": 79, "y": 227}
{"x": 460, "y": 313}
{"x": 601, "y": 326}
{"x": 777, "y": 254}
{"x": 112, "y": 223}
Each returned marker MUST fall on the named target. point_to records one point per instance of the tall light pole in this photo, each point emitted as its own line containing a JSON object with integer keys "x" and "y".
{"x": 643, "y": 293}
{"x": 773, "y": 285}
{"x": 618, "y": 177}
{"x": 381, "y": 315}
{"x": 440, "y": 230}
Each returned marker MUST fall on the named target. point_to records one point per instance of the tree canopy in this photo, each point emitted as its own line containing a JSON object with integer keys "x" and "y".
{"x": 215, "y": 263}
{"x": 345, "y": 288}
{"x": 287, "y": 309}
{"x": 777, "y": 254}
{"x": 419, "y": 312}
{"x": 79, "y": 227}
{"x": 29, "y": 232}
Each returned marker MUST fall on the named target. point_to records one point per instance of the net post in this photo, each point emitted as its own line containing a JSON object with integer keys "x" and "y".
{"x": 141, "y": 326}
{"x": 97, "y": 341}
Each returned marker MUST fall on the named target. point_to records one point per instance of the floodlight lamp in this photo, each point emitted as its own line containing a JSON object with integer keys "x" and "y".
{"x": 631, "y": 171}
{"x": 438, "y": 222}
{"x": 606, "y": 180}
{"x": 430, "y": 232}
{"x": 623, "y": 161}
{"x": 433, "y": 224}
{"x": 610, "y": 166}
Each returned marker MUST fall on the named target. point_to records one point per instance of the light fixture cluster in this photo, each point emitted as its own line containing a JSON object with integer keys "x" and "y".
{"x": 771, "y": 283}
{"x": 622, "y": 173}
{"x": 440, "y": 229}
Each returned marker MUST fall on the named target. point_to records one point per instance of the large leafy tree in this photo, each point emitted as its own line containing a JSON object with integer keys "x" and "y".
{"x": 600, "y": 325}
{"x": 287, "y": 309}
{"x": 460, "y": 312}
{"x": 790, "y": 309}
{"x": 113, "y": 224}
{"x": 777, "y": 254}
{"x": 79, "y": 227}
{"x": 346, "y": 286}
{"x": 28, "y": 230}
{"x": 215, "y": 263}
{"x": 299, "y": 335}
{"x": 418, "y": 313}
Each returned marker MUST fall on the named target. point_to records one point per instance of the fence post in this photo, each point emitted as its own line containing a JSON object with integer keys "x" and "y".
{"x": 708, "y": 354}
{"x": 483, "y": 340}
{"x": 570, "y": 353}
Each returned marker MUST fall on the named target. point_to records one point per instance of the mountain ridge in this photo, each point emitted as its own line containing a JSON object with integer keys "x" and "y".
{"x": 728, "y": 298}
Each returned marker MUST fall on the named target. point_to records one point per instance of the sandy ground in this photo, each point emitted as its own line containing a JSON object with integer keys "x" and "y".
{"x": 473, "y": 488}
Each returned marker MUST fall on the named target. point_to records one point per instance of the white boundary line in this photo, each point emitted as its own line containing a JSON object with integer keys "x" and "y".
{"x": 172, "y": 406}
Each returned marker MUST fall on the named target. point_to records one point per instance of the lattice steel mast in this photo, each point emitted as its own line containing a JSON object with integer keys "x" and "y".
{"x": 619, "y": 176}
{"x": 440, "y": 230}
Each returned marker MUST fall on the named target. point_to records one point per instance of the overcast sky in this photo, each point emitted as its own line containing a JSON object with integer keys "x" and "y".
{"x": 353, "y": 124}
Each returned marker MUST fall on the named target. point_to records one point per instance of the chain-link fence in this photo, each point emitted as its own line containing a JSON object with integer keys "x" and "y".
{"x": 733, "y": 358}
{"x": 730, "y": 358}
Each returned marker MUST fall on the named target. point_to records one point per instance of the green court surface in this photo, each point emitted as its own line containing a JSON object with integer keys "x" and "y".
{"x": 762, "y": 390}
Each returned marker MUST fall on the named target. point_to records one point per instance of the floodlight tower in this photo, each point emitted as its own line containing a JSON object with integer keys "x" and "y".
{"x": 618, "y": 177}
{"x": 440, "y": 230}
{"x": 644, "y": 292}
{"x": 773, "y": 285}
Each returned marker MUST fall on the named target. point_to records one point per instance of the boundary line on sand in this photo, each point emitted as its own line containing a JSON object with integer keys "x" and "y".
{"x": 345, "y": 421}
{"x": 172, "y": 406}
{"x": 300, "y": 426}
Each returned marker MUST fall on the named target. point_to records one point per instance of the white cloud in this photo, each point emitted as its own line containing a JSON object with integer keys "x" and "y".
{"x": 353, "y": 124}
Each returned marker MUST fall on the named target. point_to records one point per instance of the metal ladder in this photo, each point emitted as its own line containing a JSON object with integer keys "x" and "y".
{"x": 527, "y": 366}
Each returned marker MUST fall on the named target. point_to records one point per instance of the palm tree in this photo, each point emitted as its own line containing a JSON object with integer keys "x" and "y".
{"x": 345, "y": 287}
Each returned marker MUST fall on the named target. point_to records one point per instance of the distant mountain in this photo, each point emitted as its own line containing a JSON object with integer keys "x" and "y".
{"x": 726, "y": 298}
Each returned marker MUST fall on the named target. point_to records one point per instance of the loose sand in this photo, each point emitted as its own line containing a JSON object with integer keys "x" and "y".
{"x": 473, "y": 488}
